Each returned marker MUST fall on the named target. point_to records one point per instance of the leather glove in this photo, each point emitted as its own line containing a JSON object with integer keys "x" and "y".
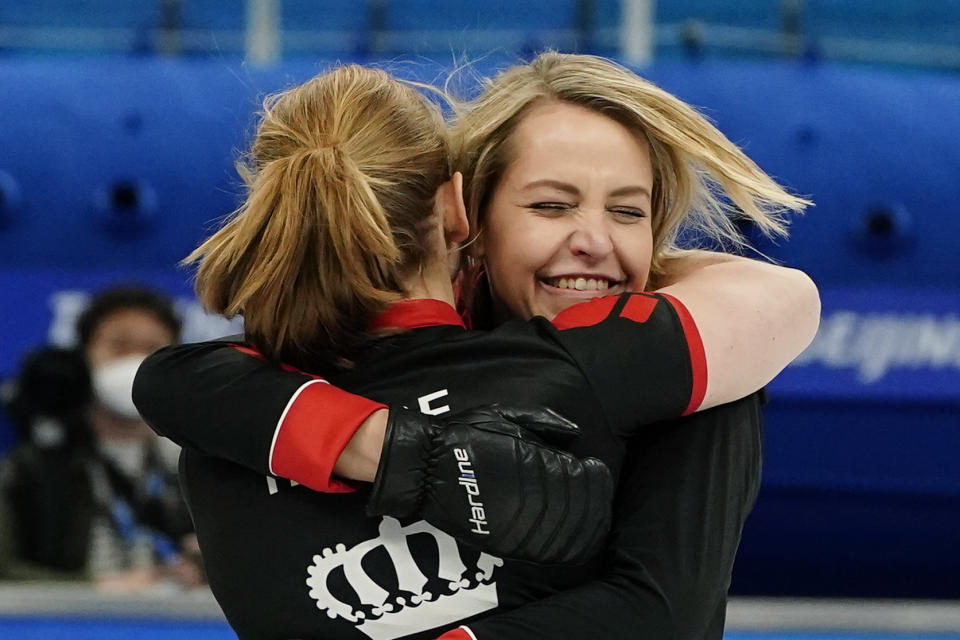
{"x": 492, "y": 478}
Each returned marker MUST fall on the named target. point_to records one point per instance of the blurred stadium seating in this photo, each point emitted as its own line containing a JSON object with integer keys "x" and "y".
{"x": 116, "y": 162}
{"x": 885, "y": 31}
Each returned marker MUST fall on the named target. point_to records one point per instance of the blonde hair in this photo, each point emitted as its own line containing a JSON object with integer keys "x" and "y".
{"x": 701, "y": 179}
{"x": 340, "y": 181}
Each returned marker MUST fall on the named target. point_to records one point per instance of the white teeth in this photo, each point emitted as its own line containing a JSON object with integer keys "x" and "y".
{"x": 581, "y": 284}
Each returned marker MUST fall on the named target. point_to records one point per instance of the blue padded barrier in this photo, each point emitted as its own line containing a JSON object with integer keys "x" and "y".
{"x": 873, "y": 150}
{"x": 861, "y": 489}
{"x": 858, "y": 142}
{"x": 883, "y": 345}
{"x": 82, "y": 128}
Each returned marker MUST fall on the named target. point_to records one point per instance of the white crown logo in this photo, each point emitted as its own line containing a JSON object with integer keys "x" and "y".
{"x": 392, "y": 616}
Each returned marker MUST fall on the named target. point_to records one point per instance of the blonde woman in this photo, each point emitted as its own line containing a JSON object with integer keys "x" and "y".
{"x": 553, "y": 235}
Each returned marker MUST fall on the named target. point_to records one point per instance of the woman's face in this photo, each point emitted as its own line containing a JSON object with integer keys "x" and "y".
{"x": 570, "y": 219}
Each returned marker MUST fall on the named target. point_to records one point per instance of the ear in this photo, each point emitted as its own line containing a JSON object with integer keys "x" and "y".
{"x": 454, "y": 211}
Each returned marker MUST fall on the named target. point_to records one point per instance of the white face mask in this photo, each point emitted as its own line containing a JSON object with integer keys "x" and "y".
{"x": 113, "y": 385}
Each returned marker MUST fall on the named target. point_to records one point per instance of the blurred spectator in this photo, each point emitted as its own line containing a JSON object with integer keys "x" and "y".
{"x": 90, "y": 492}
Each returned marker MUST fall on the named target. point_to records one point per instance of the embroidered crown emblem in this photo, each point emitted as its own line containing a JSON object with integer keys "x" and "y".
{"x": 464, "y": 590}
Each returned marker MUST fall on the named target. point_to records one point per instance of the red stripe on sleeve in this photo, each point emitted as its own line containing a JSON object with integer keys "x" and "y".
{"x": 698, "y": 358}
{"x": 638, "y": 308}
{"x": 315, "y": 428}
{"x": 460, "y": 633}
{"x": 585, "y": 314}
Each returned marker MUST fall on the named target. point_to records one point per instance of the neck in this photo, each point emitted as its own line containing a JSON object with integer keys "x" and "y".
{"x": 432, "y": 283}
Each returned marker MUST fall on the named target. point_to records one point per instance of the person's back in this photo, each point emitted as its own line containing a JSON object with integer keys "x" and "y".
{"x": 352, "y": 208}
{"x": 333, "y": 571}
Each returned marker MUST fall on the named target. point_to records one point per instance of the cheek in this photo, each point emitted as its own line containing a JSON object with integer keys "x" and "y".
{"x": 503, "y": 243}
{"x": 636, "y": 251}
{"x": 505, "y": 265}
{"x": 518, "y": 252}
{"x": 511, "y": 261}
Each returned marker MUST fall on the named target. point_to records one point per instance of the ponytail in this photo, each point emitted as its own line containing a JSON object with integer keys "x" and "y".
{"x": 313, "y": 255}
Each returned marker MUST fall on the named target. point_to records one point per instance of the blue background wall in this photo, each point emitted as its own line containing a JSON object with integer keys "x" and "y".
{"x": 120, "y": 162}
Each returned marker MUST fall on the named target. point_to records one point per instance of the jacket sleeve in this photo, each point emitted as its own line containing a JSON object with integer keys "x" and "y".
{"x": 222, "y": 399}
{"x": 687, "y": 488}
{"x": 653, "y": 337}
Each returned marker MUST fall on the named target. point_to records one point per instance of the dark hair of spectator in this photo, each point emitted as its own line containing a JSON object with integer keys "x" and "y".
{"x": 119, "y": 298}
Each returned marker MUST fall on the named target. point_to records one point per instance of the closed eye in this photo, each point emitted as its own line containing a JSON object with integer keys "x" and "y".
{"x": 550, "y": 207}
{"x": 629, "y": 213}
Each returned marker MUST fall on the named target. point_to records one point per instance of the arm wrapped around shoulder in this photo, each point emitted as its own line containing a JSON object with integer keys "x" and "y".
{"x": 492, "y": 478}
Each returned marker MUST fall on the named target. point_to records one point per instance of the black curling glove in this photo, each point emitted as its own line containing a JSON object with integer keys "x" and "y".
{"x": 493, "y": 478}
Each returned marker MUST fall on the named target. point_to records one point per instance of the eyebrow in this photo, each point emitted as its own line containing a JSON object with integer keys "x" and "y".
{"x": 566, "y": 187}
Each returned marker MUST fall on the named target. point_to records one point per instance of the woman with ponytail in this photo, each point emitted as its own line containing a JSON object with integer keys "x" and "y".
{"x": 313, "y": 254}
{"x": 339, "y": 263}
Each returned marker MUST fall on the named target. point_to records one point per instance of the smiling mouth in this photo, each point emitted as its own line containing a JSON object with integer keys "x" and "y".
{"x": 580, "y": 283}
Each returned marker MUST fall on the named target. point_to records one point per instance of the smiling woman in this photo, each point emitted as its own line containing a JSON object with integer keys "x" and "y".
{"x": 579, "y": 176}
{"x": 571, "y": 216}
{"x": 599, "y": 135}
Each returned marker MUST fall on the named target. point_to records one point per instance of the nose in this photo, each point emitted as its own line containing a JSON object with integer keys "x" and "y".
{"x": 591, "y": 238}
